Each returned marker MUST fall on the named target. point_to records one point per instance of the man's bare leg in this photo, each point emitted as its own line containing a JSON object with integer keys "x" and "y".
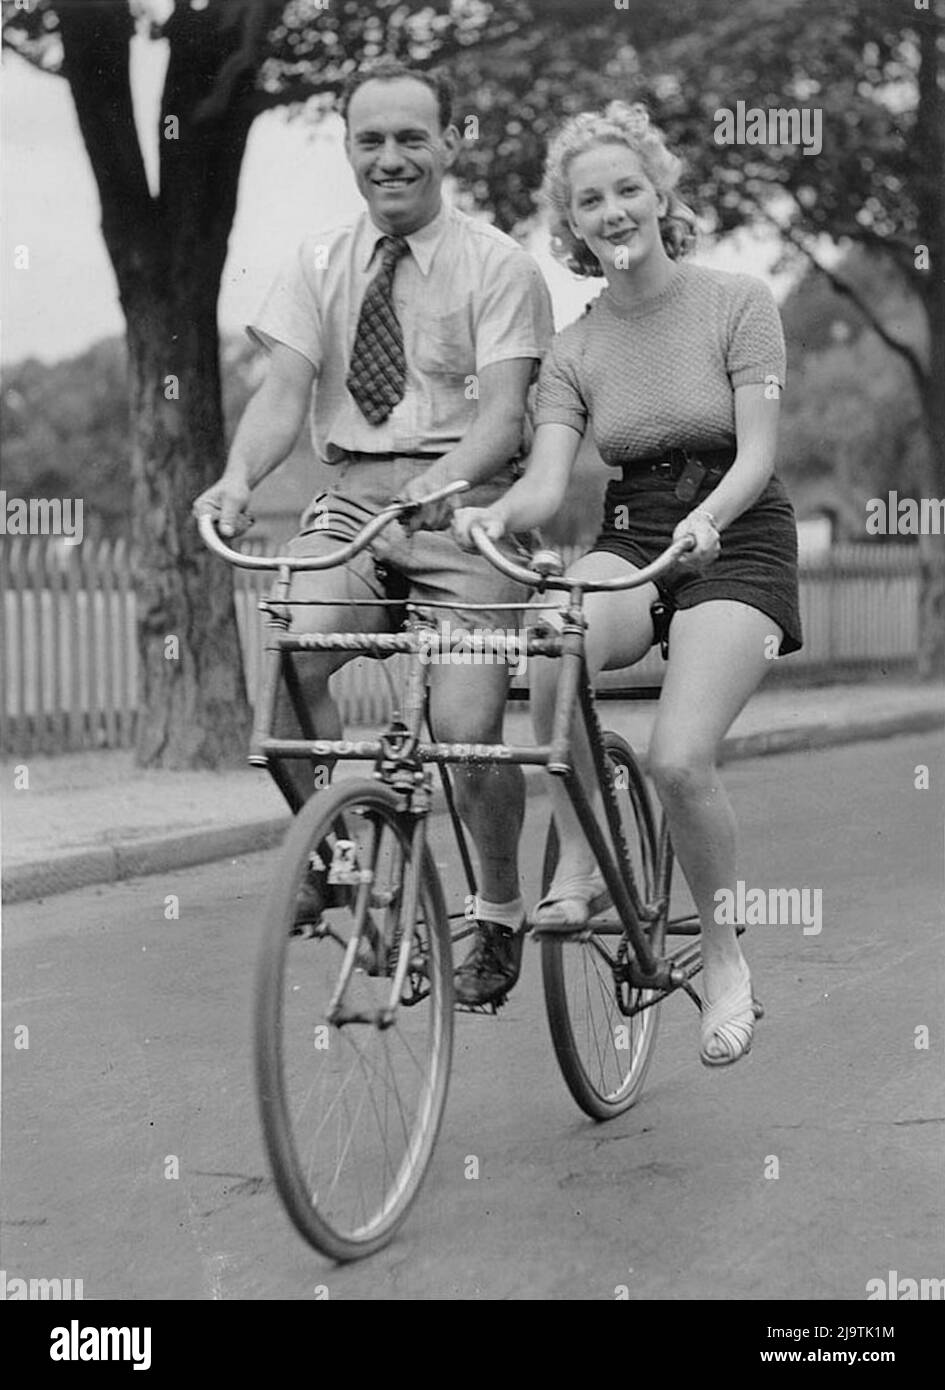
{"x": 467, "y": 706}
{"x": 313, "y": 670}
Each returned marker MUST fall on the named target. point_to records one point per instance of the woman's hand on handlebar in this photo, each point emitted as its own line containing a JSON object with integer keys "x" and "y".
{"x": 226, "y": 501}
{"x": 708, "y": 544}
{"x": 465, "y": 518}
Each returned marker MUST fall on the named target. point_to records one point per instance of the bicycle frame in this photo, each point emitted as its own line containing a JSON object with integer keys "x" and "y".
{"x": 400, "y": 754}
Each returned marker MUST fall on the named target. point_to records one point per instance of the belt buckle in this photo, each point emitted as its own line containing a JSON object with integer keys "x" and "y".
{"x": 689, "y": 478}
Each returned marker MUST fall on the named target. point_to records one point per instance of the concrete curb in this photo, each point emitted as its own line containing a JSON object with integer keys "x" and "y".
{"x": 62, "y": 871}
{"x": 809, "y": 737}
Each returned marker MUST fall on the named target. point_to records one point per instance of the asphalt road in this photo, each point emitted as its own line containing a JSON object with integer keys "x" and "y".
{"x": 139, "y": 1048}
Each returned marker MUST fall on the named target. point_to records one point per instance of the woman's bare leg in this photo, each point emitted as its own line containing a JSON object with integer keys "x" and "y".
{"x": 716, "y": 661}
{"x": 619, "y": 632}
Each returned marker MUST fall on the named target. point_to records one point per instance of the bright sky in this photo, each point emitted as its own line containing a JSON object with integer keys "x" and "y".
{"x": 295, "y": 180}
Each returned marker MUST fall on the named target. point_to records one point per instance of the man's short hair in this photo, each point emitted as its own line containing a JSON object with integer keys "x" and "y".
{"x": 388, "y": 69}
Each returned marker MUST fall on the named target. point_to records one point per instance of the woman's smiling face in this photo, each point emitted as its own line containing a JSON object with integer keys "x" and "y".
{"x": 615, "y": 209}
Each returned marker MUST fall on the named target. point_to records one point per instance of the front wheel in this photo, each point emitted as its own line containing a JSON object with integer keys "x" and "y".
{"x": 603, "y": 1048}
{"x": 352, "y": 1081}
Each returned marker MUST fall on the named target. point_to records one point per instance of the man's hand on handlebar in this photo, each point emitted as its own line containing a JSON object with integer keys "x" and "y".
{"x": 465, "y": 518}
{"x": 226, "y": 502}
{"x": 436, "y": 516}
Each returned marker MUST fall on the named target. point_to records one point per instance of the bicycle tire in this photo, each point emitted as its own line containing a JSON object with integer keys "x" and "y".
{"x": 288, "y": 982}
{"x": 587, "y": 1051}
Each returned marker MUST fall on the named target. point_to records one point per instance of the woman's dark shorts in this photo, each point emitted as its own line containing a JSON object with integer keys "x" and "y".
{"x": 757, "y": 564}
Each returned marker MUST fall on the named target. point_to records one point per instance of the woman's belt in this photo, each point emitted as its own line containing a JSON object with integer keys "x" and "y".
{"x": 687, "y": 468}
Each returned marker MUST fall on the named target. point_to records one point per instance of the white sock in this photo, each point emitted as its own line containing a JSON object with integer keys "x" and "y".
{"x": 510, "y": 914}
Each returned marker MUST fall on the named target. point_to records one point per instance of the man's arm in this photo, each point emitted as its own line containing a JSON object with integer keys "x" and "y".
{"x": 492, "y": 439}
{"x": 265, "y": 436}
{"x": 535, "y": 498}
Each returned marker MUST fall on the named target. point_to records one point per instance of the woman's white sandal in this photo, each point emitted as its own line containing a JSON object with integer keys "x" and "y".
{"x": 730, "y": 1021}
{"x": 570, "y": 903}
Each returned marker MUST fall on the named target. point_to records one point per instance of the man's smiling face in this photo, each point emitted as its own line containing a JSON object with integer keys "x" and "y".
{"x": 398, "y": 151}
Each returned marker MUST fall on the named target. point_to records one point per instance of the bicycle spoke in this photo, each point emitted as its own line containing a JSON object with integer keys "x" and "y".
{"x": 421, "y": 1071}
{"x": 351, "y": 1127}
{"x": 601, "y": 991}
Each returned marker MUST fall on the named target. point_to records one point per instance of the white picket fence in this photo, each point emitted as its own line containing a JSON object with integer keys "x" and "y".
{"x": 69, "y": 674}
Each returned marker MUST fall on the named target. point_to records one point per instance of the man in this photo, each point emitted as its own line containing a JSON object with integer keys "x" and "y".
{"x": 420, "y": 330}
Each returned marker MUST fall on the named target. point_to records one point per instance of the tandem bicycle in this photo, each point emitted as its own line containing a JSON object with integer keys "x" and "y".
{"x": 353, "y": 1026}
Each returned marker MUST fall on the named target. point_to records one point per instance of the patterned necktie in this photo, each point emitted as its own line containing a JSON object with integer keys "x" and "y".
{"x": 377, "y": 376}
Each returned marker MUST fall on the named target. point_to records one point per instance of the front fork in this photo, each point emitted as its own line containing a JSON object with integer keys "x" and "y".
{"x": 408, "y": 921}
{"x": 417, "y": 807}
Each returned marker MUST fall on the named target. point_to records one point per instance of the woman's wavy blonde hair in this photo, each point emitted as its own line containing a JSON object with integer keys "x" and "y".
{"x": 621, "y": 123}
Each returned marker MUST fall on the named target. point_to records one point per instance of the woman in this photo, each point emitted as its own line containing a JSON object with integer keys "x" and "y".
{"x": 671, "y": 357}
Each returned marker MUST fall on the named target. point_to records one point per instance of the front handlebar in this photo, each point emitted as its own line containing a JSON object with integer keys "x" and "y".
{"x": 211, "y": 538}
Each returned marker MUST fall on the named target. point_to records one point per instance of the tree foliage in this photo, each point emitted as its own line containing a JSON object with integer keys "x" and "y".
{"x": 65, "y": 433}
{"x": 65, "y": 427}
{"x": 875, "y": 70}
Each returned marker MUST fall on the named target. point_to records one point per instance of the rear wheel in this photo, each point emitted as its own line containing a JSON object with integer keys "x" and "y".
{"x": 351, "y": 1087}
{"x": 603, "y": 1048}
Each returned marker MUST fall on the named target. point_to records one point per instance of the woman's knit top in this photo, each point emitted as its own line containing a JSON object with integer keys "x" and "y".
{"x": 661, "y": 373}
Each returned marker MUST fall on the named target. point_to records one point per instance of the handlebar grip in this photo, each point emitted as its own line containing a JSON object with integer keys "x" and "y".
{"x": 207, "y": 527}
{"x": 437, "y": 495}
{"x": 491, "y": 552}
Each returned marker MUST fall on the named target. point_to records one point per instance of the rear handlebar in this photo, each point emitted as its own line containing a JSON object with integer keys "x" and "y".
{"x": 542, "y": 576}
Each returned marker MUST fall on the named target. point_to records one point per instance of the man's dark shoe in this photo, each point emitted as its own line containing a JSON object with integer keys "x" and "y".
{"x": 492, "y": 966}
{"x": 315, "y": 895}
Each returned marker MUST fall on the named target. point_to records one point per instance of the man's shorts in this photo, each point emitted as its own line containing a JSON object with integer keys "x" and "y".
{"x": 757, "y": 564}
{"x": 434, "y": 567}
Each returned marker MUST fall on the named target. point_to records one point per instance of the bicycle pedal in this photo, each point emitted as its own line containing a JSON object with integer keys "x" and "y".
{"x": 486, "y": 1010}
{"x": 308, "y": 930}
{"x": 538, "y": 933}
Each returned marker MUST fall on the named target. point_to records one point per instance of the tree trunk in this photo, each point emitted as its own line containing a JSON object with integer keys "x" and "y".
{"x": 168, "y": 253}
{"x": 931, "y": 608}
{"x": 932, "y": 548}
{"x": 192, "y": 698}
{"x": 930, "y": 201}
